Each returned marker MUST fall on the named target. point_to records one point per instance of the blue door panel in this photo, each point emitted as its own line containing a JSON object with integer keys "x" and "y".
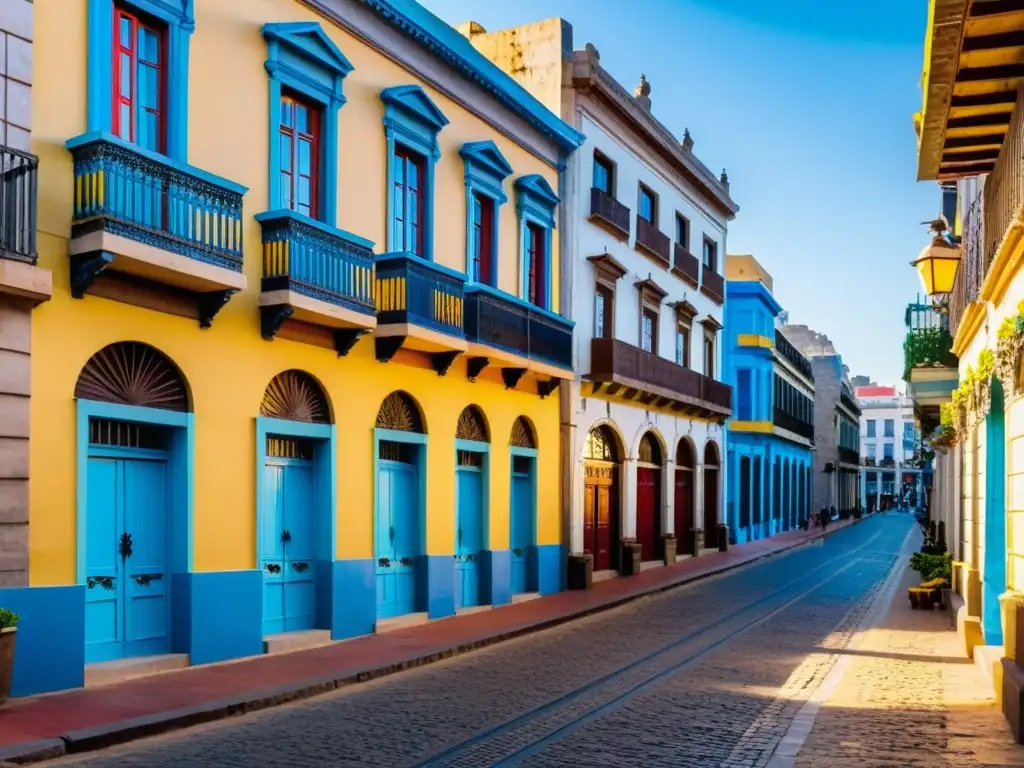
{"x": 522, "y": 537}
{"x": 384, "y": 550}
{"x": 271, "y": 554}
{"x": 468, "y": 537}
{"x": 396, "y": 537}
{"x": 298, "y": 572}
{"x": 103, "y": 622}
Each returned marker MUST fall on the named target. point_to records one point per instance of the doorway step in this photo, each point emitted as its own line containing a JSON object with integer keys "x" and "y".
{"x": 286, "y": 642}
{"x": 119, "y": 670}
{"x": 401, "y": 622}
{"x": 523, "y": 597}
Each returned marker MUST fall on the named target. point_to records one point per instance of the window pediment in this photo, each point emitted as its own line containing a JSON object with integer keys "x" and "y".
{"x": 305, "y": 52}
{"x": 410, "y": 113}
{"x": 536, "y": 199}
{"x": 486, "y": 167}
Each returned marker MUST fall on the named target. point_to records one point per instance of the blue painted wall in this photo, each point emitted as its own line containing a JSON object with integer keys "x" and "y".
{"x": 218, "y": 615}
{"x": 49, "y": 654}
{"x": 349, "y": 597}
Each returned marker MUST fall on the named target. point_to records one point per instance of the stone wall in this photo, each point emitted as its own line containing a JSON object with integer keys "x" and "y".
{"x": 16, "y": 33}
{"x": 827, "y": 387}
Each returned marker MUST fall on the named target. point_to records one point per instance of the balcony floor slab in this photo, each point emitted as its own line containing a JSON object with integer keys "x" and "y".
{"x": 421, "y": 339}
{"x": 25, "y": 281}
{"x": 318, "y": 312}
{"x": 156, "y": 264}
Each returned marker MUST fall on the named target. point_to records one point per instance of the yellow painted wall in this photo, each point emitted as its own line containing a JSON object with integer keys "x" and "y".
{"x": 229, "y": 366}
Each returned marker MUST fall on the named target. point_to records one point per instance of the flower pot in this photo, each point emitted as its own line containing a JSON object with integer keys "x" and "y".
{"x": 581, "y": 571}
{"x": 7, "y": 638}
{"x": 668, "y": 543}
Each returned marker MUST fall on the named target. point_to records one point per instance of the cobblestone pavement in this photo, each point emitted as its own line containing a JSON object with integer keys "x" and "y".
{"x": 711, "y": 674}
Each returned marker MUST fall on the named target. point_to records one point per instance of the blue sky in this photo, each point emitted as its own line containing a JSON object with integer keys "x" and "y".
{"x": 809, "y": 106}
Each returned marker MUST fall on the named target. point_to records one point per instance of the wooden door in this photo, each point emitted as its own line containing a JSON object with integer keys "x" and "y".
{"x": 522, "y": 523}
{"x": 683, "y": 502}
{"x": 468, "y": 536}
{"x": 396, "y": 530}
{"x": 647, "y": 508}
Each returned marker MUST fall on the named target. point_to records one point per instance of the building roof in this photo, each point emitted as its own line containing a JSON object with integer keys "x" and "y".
{"x": 876, "y": 392}
{"x": 445, "y": 42}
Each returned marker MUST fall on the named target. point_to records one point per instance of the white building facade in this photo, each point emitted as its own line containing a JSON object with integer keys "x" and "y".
{"x": 891, "y": 462}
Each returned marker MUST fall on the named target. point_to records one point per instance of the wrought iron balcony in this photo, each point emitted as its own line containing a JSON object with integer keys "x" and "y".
{"x": 868, "y": 461}
{"x": 887, "y": 462}
{"x": 685, "y": 265}
{"x": 495, "y": 320}
{"x": 851, "y": 404}
{"x": 141, "y": 213}
{"x": 713, "y": 285}
{"x": 419, "y": 305}
{"x": 652, "y": 240}
{"x": 316, "y": 274}
{"x": 791, "y": 423}
{"x": 622, "y": 369}
{"x": 970, "y": 272}
{"x": 18, "y": 204}
{"x": 609, "y": 212}
{"x": 792, "y": 355}
{"x": 849, "y": 455}
{"x": 1004, "y": 188}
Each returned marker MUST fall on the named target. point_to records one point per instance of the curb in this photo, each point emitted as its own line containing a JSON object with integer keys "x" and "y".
{"x": 123, "y": 731}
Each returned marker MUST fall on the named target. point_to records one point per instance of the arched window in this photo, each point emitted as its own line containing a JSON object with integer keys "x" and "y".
{"x": 472, "y": 425}
{"x": 400, "y": 412}
{"x": 132, "y": 373}
{"x": 522, "y": 434}
{"x": 296, "y": 396}
{"x": 601, "y": 445}
{"x": 711, "y": 456}
{"x": 649, "y": 451}
{"x": 684, "y": 454}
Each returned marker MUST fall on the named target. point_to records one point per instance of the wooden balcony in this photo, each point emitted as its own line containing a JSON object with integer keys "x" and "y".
{"x": 785, "y": 349}
{"x": 419, "y": 306}
{"x": 685, "y": 265}
{"x": 19, "y": 190}
{"x": 609, "y": 213}
{"x": 792, "y": 424}
{"x": 502, "y": 330}
{"x": 713, "y": 286}
{"x": 653, "y": 241}
{"x": 316, "y": 275}
{"x": 620, "y": 369}
{"x": 157, "y": 221}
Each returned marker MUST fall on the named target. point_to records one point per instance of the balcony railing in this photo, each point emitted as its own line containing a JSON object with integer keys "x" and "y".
{"x": 1004, "y": 188}
{"x": 925, "y": 317}
{"x": 653, "y": 240}
{"x": 971, "y": 271}
{"x": 685, "y": 265}
{"x": 609, "y": 210}
{"x": 850, "y": 403}
{"x": 612, "y": 360}
{"x": 157, "y": 201}
{"x": 498, "y": 320}
{"x": 849, "y": 455}
{"x": 419, "y": 292}
{"x": 18, "y": 201}
{"x": 928, "y": 342}
{"x": 785, "y": 348}
{"x": 887, "y": 462}
{"x": 868, "y": 461}
{"x": 713, "y": 285}
{"x": 318, "y": 261}
{"x": 792, "y": 424}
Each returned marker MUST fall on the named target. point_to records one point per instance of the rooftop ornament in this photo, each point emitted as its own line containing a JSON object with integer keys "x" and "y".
{"x": 937, "y": 265}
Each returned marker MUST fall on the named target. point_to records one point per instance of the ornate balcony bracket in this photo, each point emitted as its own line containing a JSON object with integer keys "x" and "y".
{"x": 387, "y": 347}
{"x": 84, "y": 269}
{"x": 442, "y": 361}
{"x": 545, "y": 388}
{"x": 511, "y": 376}
{"x": 212, "y": 302}
{"x": 272, "y": 317}
{"x": 475, "y": 366}
{"x": 346, "y": 338}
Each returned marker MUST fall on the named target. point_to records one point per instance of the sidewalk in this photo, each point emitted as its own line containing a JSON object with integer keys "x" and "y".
{"x": 909, "y": 698}
{"x": 85, "y": 719}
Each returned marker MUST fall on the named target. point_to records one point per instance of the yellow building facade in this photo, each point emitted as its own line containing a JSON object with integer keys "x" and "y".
{"x": 299, "y": 369}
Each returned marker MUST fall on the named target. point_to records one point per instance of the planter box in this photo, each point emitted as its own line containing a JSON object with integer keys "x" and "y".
{"x": 630, "y": 558}
{"x": 693, "y": 542}
{"x": 581, "y": 572}
{"x": 723, "y": 537}
{"x": 668, "y": 544}
{"x": 7, "y": 639}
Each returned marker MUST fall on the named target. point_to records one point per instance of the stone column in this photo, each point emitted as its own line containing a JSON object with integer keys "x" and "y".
{"x": 575, "y": 495}
{"x": 628, "y": 507}
{"x": 698, "y": 503}
{"x": 668, "y": 500}
{"x": 863, "y": 485}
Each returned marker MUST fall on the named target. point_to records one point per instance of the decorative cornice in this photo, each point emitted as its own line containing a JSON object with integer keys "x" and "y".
{"x": 607, "y": 266}
{"x": 651, "y": 291}
{"x": 685, "y": 309}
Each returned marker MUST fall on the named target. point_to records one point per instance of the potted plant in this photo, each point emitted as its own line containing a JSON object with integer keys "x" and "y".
{"x": 8, "y": 634}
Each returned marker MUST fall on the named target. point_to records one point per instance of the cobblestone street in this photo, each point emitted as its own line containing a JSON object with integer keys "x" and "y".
{"x": 712, "y": 674}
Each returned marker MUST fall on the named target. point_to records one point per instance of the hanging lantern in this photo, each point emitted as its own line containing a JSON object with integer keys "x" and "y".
{"x": 937, "y": 263}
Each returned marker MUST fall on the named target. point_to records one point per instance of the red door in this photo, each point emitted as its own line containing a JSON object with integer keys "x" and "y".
{"x": 598, "y": 517}
{"x": 710, "y": 502}
{"x": 684, "y": 503}
{"x": 646, "y": 517}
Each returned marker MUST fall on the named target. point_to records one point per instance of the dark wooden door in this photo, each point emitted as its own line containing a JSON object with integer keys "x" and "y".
{"x": 684, "y": 502}
{"x": 710, "y": 501}
{"x": 600, "y": 528}
{"x": 647, "y": 512}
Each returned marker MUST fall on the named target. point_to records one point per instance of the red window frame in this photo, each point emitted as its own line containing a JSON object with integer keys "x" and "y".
{"x": 535, "y": 250}
{"x": 407, "y": 159}
{"x": 483, "y": 234}
{"x": 295, "y": 138}
{"x": 119, "y": 99}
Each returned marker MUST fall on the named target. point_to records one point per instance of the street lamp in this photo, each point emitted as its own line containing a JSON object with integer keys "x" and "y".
{"x": 937, "y": 264}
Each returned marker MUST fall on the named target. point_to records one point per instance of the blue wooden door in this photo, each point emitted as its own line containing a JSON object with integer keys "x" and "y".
{"x": 396, "y": 534}
{"x": 127, "y": 581}
{"x": 468, "y": 536}
{"x": 523, "y": 521}
{"x": 286, "y": 546}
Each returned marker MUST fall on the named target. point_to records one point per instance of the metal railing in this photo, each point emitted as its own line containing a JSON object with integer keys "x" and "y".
{"x": 501, "y": 321}
{"x": 785, "y": 348}
{"x": 925, "y": 317}
{"x": 316, "y": 260}
{"x": 685, "y": 265}
{"x": 971, "y": 271}
{"x": 652, "y": 239}
{"x": 712, "y": 285}
{"x": 18, "y": 204}
{"x": 409, "y": 289}
{"x": 1004, "y": 188}
{"x": 791, "y": 423}
{"x": 606, "y": 207}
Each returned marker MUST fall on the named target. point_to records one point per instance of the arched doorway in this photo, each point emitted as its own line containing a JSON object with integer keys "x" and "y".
{"x": 295, "y": 511}
{"x": 399, "y": 532}
{"x": 794, "y": 484}
{"x": 601, "y": 527}
{"x": 523, "y": 506}
{"x": 648, "y": 496}
{"x": 683, "y": 507}
{"x": 777, "y": 495}
{"x": 994, "y": 574}
{"x": 712, "y": 460}
{"x": 134, "y": 402}
{"x": 788, "y": 508}
{"x": 472, "y": 443}
{"x": 761, "y": 527}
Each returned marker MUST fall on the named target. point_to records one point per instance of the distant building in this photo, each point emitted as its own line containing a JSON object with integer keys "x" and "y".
{"x": 836, "y": 422}
{"x": 888, "y": 442}
{"x": 771, "y": 433}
